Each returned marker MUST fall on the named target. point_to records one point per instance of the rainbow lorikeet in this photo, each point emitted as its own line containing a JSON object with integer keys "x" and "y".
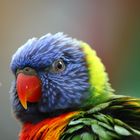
{"x": 62, "y": 92}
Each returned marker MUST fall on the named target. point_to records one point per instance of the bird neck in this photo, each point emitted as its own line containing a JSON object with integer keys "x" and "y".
{"x": 100, "y": 89}
{"x": 49, "y": 128}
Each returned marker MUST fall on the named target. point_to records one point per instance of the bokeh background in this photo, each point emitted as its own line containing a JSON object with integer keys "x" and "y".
{"x": 111, "y": 27}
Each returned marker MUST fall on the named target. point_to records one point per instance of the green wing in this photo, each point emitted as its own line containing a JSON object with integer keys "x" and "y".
{"x": 118, "y": 118}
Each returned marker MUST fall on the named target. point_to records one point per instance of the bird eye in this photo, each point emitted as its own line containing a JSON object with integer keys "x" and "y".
{"x": 58, "y": 66}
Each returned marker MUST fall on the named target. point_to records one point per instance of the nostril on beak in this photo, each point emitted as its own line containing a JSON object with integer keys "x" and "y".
{"x": 27, "y": 69}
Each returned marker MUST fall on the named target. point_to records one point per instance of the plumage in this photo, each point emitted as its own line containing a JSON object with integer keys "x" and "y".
{"x": 47, "y": 129}
{"x": 114, "y": 119}
{"x": 70, "y": 97}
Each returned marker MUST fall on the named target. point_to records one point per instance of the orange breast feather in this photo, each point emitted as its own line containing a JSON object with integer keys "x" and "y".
{"x": 48, "y": 129}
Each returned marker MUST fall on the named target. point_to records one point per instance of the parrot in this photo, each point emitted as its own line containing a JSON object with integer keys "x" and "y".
{"x": 61, "y": 91}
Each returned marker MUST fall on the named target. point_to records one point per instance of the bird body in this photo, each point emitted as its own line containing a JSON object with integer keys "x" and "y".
{"x": 61, "y": 91}
{"x": 105, "y": 121}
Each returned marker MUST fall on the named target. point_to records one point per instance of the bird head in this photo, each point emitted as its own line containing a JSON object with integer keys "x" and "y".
{"x": 56, "y": 73}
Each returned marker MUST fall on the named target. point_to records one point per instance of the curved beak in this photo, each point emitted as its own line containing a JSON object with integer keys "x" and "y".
{"x": 28, "y": 89}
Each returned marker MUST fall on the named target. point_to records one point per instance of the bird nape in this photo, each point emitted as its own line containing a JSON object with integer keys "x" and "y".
{"x": 62, "y": 92}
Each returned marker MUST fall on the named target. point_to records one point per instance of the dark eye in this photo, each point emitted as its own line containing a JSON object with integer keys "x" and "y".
{"x": 58, "y": 66}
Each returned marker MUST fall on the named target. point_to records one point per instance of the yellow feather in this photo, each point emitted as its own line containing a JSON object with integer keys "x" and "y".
{"x": 98, "y": 78}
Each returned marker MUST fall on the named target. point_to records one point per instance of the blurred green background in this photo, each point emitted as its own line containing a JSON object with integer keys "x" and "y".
{"x": 111, "y": 27}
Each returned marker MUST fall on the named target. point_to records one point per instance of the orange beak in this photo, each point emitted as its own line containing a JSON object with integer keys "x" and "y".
{"x": 28, "y": 89}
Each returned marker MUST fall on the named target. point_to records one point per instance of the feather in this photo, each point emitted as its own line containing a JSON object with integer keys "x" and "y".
{"x": 101, "y": 123}
{"x": 48, "y": 129}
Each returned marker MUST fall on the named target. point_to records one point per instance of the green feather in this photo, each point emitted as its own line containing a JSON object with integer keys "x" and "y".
{"x": 87, "y": 136}
{"x": 100, "y": 122}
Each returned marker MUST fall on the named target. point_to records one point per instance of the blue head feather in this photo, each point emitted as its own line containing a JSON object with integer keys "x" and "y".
{"x": 60, "y": 91}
